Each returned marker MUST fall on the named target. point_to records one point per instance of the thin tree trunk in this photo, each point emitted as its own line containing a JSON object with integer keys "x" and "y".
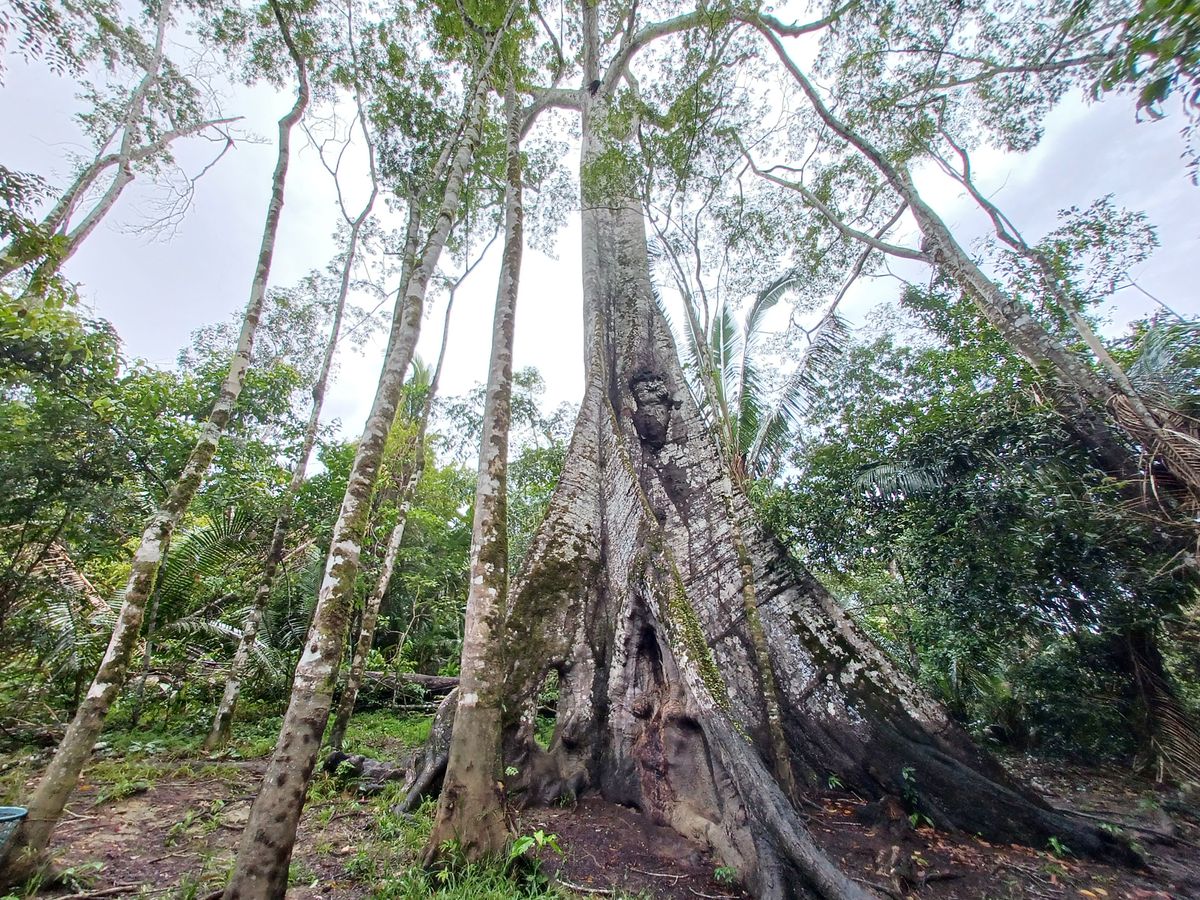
{"x": 60, "y": 778}
{"x": 266, "y": 847}
{"x": 370, "y": 615}
{"x": 130, "y": 128}
{"x": 223, "y": 720}
{"x": 1105, "y": 418}
{"x": 471, "y": 807}
{"x": 1007, "y": 315}
{"x": 366, "y": 628}
{"x": 147, "y": 653}
{"x": 218, "y": 734}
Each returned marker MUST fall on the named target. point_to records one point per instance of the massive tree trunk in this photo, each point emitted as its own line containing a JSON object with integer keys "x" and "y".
{"x": 703, "y": 672}
{"x": 471, "y": 805}
{"x": 62, "y": 775}
{"x": 270, "y": 833}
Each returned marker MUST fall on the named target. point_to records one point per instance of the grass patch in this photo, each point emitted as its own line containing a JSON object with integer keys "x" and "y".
{"x": 254, "y": 738}
{"x": 18, "y": 769}
{"x": 141, "y": 743}
{"x": 387, "y": 862}
{"x": 467, "y": 882}
{"x": 380, "y": 733}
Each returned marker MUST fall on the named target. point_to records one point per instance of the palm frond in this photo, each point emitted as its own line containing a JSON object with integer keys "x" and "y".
{"x": 56, "y": 563}
{"x": 196, "y": 626}
{"x": 285, "y": 625}
{"x": 827, "y": 344}
{"x": 1165, "y": 370}
{"x": 266, "y": 658}
{"x": 749, "y": 395}
{"x": 203, "y": 551}
{"x": 725, "y": 347}
{"x": 898, "y": 481}
{"x": 416, "y": 390}
{"x": 693, "y": 362}
{"x": 749, "y": 406}
{"x": 767, "y": 298}
{"x": 726, "y": 343}
{"x": 72, "y": 635}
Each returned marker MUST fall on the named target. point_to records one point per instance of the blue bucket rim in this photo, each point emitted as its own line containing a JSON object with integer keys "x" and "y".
{"x": 10, "y": 813}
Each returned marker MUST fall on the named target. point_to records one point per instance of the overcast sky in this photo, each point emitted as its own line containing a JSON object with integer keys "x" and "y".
{"x": 156, "y": 290}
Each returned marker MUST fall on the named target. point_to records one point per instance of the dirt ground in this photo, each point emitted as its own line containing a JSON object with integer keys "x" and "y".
{"x": 606, "y": 846}
{"x": 176, "y": 835}
{"x": 180, "y": 836}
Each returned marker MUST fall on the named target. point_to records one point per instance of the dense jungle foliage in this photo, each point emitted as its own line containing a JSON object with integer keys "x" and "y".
{"x": 930, "y": 487}
{"x": 996, "y": 481}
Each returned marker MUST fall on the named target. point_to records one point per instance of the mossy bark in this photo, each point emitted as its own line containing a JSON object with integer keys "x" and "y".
{"x": 471, "y": 806}
{"x": 366, "y": 628}
{"x": 637, "y": 595}
{"x": 415, "y": 464}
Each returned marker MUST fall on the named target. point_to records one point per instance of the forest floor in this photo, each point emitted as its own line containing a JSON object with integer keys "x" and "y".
{"x": 154, "y": 821}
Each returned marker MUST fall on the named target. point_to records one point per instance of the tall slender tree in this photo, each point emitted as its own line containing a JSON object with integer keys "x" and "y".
{"x": 60, "y": 778}
{"x": 471, "y": 806}
{"x": 1106, "y": 409}
{"x": 412, "y": 467}
{"x": 218, "y": 734}
{"x": 267, "y": 841}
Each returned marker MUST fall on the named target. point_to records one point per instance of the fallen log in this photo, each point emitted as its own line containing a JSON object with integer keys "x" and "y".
{"x": 433, "y": 684}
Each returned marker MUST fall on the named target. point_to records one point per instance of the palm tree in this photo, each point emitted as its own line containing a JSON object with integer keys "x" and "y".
{"x": 754, "y": 425}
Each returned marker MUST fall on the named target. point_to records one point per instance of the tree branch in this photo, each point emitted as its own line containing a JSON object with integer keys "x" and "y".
{"x": 834, "y": 219}
{"x": 547, "y": 98}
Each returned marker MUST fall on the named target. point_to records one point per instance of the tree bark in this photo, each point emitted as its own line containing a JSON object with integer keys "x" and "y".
{"x": 147, "y": 652}
{"x": 471, "y": 806}
{"x": 61, "y": 776}
{"x": 218, "y": 734}
{"x": 697, "y": 662}
{"x": 266, "y": 846}
{"x": 370, "y": 615}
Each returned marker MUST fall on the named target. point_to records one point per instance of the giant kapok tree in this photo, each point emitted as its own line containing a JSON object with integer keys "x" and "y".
{"x": 705, "y": 678}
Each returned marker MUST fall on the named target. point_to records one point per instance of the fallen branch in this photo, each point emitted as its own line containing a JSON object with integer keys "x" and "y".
{"x": 434, "y": 684}
{"x": 583, "y": 890}
{"x": 674, "y": 877}
{"x": 126, "y": 888}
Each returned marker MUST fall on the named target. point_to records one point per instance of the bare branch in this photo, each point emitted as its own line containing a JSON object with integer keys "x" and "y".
{"x": 549, "y": 98}
{"x": 834, "y": 219}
